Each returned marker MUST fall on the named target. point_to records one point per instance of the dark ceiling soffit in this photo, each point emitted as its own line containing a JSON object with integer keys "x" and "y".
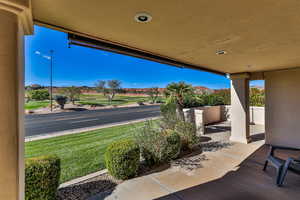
{"x": 96, "y": 44}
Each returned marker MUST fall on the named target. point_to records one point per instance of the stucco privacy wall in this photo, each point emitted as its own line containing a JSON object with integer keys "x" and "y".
{"x": 282, "y": 107}
{"x": 257, "y": 114}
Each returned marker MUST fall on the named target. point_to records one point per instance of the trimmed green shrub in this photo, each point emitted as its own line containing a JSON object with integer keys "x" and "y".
{"x": 40, "y": 94}
{"x": 122, "y": 159}
{"x": 42, "y": 178}
{"x": 187, "y": 133}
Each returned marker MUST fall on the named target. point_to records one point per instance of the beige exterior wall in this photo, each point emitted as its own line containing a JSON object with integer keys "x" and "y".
{"x": 282, "y": 108}
{"x": 257, "y": 114}
{"x": 211, "y": 114}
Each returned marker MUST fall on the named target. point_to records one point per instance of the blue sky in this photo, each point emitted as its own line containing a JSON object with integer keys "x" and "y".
{"x": 84, "y": 66}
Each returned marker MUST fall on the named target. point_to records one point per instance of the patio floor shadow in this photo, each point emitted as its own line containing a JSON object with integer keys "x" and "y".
{"x": 247, "y": 182}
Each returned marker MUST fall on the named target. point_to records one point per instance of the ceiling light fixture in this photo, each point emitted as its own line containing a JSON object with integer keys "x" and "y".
{"x": 221, "y": 52}
{"x": 143, "y": 17}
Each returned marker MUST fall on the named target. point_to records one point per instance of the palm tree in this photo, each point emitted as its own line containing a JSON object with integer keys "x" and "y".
{"x": 175, "y": 92}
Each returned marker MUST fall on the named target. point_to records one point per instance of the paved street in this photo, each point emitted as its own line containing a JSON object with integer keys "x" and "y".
{"x": 51, "y": 123}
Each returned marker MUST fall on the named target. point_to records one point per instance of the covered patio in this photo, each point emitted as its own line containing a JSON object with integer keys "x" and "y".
{"x": 249, "y": 40}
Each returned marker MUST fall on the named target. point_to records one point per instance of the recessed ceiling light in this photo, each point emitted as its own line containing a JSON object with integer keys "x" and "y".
{"x": 142, "y": 17}
{"x": 221, "y": 52}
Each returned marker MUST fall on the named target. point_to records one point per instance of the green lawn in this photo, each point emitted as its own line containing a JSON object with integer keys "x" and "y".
{"x": 81, "y": 153}
{"x": 32, "y": 105}
{"x": 99, "y": 99}
{"x": 94, "y": 99}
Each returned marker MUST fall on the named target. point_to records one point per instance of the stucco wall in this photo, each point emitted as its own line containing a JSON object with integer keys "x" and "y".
{"x": 282, "y": 107}
{"x": 211, "y": 114}
{"x": 257, "y": 114}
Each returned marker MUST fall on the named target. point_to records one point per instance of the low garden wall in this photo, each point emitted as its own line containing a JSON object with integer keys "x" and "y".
{"x": 212, "y": 114}
{"x": 257, "y": 114}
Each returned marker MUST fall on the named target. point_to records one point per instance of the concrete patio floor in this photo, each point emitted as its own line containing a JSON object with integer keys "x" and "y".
{"x": 227, "y": 171}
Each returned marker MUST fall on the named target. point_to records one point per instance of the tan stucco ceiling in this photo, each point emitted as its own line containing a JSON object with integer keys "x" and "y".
{"x": 258, "y": 35}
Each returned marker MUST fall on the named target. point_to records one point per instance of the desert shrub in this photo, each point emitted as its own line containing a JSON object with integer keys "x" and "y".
{"x": 40, "y": 94}
{"x": 157, "y": 145}
{"x": 187, "y": 133}
{"x": 174, "y": 144}
{"x": 42, "y": 178}
{"x": 122, "y": 159}
{"x": 61, "y": 100}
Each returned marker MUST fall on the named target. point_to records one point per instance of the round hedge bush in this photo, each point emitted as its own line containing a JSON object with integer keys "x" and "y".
{"x": 122, "y": 159}
{"x": 42, "y": 178}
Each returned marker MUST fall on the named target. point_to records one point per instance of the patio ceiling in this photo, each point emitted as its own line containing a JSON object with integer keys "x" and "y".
{"x": 257, "y": 35}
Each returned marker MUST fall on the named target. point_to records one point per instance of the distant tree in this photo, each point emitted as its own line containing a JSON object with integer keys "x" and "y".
{"x": 153, "y": 94}
{"x": 61, "y": 101}
{"x": 109, "y": 88}
{"x": 40, "y": 94}
{"x": 175, "y": 92}
{"x": 72, "y": 93}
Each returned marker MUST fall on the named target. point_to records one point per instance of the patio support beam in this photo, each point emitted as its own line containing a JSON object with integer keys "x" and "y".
{"x": 240, "y": 119}
{"x": 15, "y": 22}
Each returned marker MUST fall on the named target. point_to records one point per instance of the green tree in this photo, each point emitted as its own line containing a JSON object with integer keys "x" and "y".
{"x": 61, "y": 101}
{"x": 109, "y": 88}
{"x": 72, "y": 93}
{"x": 40, "y": 94}
{"x": 175, "y": 93}
{"x": 153, "y": 94}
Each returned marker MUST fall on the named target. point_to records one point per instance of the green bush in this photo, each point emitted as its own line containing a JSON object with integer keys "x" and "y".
{"x": 42, "y": 178}
{"x": 40, "y": 94}
{"x": 174, "y": 144}
{"x": 122, "y": 159}
{"x": 212, "y": 99}
{"x": 157, "y": 146}
{"x": 187, "y": 133}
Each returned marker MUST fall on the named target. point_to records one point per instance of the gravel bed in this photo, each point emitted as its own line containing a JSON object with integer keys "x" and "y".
{"x": 86, "y": 189}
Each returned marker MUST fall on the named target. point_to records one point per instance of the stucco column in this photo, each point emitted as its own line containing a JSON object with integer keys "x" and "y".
{"x": 240, "y": 118}
{"x": 12, "y": 27}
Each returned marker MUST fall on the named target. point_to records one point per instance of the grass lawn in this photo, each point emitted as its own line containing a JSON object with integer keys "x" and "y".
{"x": 81, "y": 153}
{"x": 99, "y": 99}
{"x": 31, "y": 105}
